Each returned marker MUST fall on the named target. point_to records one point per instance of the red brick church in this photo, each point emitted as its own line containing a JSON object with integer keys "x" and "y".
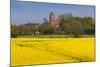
{"x": 54, "y": 20}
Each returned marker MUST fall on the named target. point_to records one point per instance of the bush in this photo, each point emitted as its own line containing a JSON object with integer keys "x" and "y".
{"x": 14, "y": 35}
{"x": 76, "y": 35}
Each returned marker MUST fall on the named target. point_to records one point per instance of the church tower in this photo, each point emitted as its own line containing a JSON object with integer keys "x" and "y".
{"x": 54, "y": 20}
{"x": 51, "y": 17}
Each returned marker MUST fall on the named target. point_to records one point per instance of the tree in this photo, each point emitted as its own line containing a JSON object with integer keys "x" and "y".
{"x": 69, "y": 24}
{"x": 89, "y": 25}
{"x": 14, "y": 31}
{"x": 46, "y": 28}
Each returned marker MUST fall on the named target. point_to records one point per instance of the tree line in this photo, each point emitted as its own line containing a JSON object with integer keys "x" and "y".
{"x": 69, "y": 25}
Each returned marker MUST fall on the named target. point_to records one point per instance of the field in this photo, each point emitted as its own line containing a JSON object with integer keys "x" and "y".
{"x": 31, "y": 51}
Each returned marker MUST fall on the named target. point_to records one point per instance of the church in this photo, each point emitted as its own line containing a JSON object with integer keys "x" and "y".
{"x": 54, "y": 20}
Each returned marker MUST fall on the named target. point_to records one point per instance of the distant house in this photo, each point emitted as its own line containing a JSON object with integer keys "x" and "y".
{"x": 37, "y": 33}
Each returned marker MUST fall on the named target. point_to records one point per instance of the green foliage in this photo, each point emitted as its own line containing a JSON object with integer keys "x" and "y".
{"x": 13, "y": 31}
{"x": 78, "y": 25}
{"x": 46, "y": 28}
{"x": 69, "y": 25}
{"x": 89, "y": 25}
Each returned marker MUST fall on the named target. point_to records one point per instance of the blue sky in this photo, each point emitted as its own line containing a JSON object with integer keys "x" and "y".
{"x": 24, "y": 12}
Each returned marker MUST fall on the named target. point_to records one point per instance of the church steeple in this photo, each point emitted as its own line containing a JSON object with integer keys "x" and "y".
{"x": 51, "y": 16}
{"x": 54, "y": 20}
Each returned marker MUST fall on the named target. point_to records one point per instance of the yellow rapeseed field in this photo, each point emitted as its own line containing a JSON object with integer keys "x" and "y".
{"x": 30, "y": 51}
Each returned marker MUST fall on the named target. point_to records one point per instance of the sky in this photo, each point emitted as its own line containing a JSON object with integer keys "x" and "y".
{"x": 34, "y": 12}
